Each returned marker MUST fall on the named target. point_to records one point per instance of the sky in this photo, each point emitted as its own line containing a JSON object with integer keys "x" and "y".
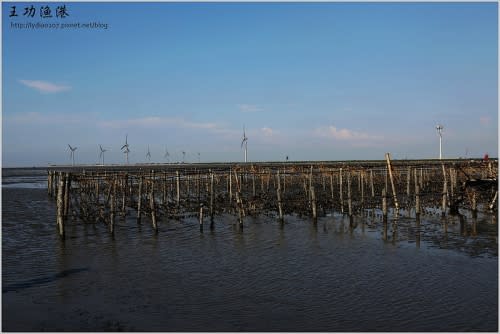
{"x": 311, "y": 81}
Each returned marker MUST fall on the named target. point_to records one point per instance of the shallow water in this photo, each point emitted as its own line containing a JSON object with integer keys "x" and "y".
{"x": 440, "y": 275}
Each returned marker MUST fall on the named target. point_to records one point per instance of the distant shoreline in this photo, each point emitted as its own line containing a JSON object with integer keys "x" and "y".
{"x": 236, "y": 163}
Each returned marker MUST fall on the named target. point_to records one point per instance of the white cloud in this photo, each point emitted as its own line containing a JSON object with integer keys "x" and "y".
{"x": 249, "y": 108}
{"x": 268, "y": 132}
{"x": 155, "y": 122}
{"x": 344, "y": 134}
{"x": 34, "y": 117}
{"x": 45, "y": 86}
{"x": 485, "y": 120}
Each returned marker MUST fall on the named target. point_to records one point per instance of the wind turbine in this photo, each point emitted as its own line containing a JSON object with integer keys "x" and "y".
{"x": 166, "y": 154}
{"x": 72, "y": 153}
{"x": 183, "y": 156}
{"x": 439, "y": 129}
{"x": 148, "y": 155}
{"x": 198, "y": 157}
{"x": 126, "y": 151}
{"x": 244, "y": 141}
{"x": 101, "y": 154}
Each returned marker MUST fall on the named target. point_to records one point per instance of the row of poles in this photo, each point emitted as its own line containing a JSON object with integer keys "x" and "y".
{"x": 290, "y": 189}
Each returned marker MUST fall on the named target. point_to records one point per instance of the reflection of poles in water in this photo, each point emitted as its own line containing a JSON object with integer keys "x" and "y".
{"x": 352, "y": 224}
{"x": 444, "y": 221}
{"x": 445, "y": 192}
{"x": 417, "y": 229}
{"x": 384, "y": 233}
{"x": 494, "y": 219}
{"x": 384, "y": 205}
{"x": 474, "y": 225}
{"x": 394, "y": 231}
{"x": 493, "y": 201}
{"x": 463, "y": 226}
{"x": 341, "y": 229}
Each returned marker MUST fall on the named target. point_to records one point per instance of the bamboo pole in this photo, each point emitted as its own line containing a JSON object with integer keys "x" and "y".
{"x": 152, "y": 203}
{"x": 310, "y": 181}
{"x": 230, "y": 186}
{"x": 112, "y": 207}
{"x": 60, "y": 205}
{"x": 201, "y": 217}
{"x": 389, "y": 167}
{"x": 313, "y": 205}
{"x": 139, "y": 199}
{"x": 341, "y": 193}
{"x": 408, "y": 178}
{"x": 331, "y": 184}
{"x": 238, "y": 200}
{"x": 384, "y": 204}
{"x": 445, "y": 192}
{"x": 211, "y": 195}
{"x": 124, "y": 183}
{"x": 349, "y": 197}
{"x": 164, "y": 189}
{"x": 417, "y": 200}
{"x": 284, "y": 180}
{"x": 278, "y": 193}
{"x": 371, "y": 183}
{"x": 493, "y": 201}
{"x": 178, "y": 181}
{"x": 362, "y": 177}
{"x": 49, "y": 183}
{"x": 67, "y": 185}
{"x": 253, "y": 183}
{"x": 261, "y": 182}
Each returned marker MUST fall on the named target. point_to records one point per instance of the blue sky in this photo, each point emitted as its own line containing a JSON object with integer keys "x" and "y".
{"x": 320, "y": 81}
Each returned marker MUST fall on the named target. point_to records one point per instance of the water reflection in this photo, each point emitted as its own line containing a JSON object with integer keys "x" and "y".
{"x": 417, "y": 231}
{"x": 269, "y": 276}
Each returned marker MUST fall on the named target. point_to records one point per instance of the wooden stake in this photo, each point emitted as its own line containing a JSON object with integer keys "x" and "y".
{"x": 313, "y": 204}
{"x": 201, "y": 217}
{"x": 362, "y": 173}
{"x": 67, "y": 185}
{"x": 331, "y": 184}
{"x": 408, "y": 178}
{"x": 371, "y": 183}
{"x": 284, "y": 180}
{"x": 164, "y": 192}
{"x": 493, "y": 201}
{"x": 230, "y": 185}
{"x": 49, "y": 183}
{"x": 278, "y": 193}
{"x": 238, "y": 200}
{"x": 112, "y": 207}
{"x": 211, "y": 195}
{"x": 445, "y": 192}
{"x": 152, "y": 203}
{"x": 139, "y": 200}
{"x": 349, "y": 199}
{"x": 60, "y": 205}
{"x": 253, "y": 183}
{"x": 389, "y": 167}
{"x": 384, "y": 203}
{"x": 417, "y": 199}
{"x": 178, "y": 181}
{"x": 341, "y": 193}
{"x": 124, "y": 183}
